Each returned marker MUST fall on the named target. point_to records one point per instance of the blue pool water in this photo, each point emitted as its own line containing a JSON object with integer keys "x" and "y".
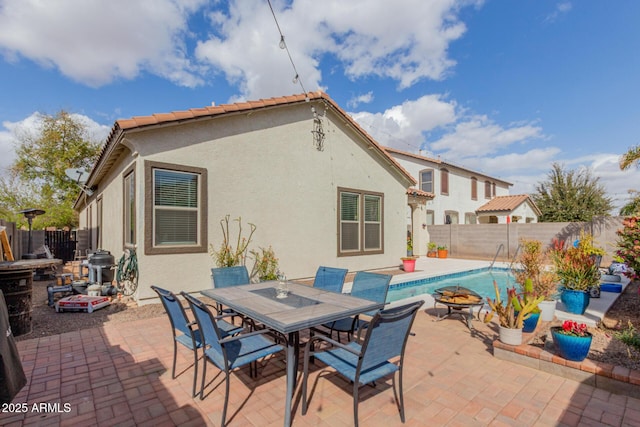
{"x": 478, "y": 280}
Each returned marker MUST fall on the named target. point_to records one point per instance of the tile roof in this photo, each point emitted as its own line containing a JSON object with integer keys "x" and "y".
{"x": 112, "y": 147}
{"x": 411, "y": 191}
{"x": 214, "y": 110}
{"x": 409, "y": 154}
{"x": 507, "y": 203}
{"x": 441, "y": 162}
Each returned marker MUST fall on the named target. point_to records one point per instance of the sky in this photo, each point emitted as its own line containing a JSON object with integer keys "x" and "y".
{"x": 502, "y": 87}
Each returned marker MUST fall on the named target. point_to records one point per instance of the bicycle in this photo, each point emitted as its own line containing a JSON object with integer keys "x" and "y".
{"x": 127, "y": 273}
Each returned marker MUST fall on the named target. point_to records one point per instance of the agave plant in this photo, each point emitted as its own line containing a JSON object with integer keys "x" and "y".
{"x": 514, "y": 310}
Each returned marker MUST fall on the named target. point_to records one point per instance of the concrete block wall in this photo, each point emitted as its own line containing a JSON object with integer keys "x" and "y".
{"x": 483, "y": 240}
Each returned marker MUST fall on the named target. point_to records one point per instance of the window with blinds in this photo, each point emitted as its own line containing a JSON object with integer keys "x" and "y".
{"x": 349, "y": 222}
{"x": 372, "y": 222}
{"x": 175, "y": 206}
{"x": 360, "y": 222}
{"x": 487, "y": 190}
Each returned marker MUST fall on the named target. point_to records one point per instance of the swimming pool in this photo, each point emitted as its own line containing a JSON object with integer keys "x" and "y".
{"x": 479, "y": 280}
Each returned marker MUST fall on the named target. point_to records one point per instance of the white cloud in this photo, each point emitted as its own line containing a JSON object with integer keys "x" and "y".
{"x": 403, "y": 126}
{"x": 606, "y": 166}
{"x": 479, "y": 135}
{"x": 365, "y": 98}
{"x": 537, "y": 160}
{"x": 561, "y": 9}
{"x": 95, "y": 42}
{"x": 13, "y": 132}
{"x": 406, "y": 43}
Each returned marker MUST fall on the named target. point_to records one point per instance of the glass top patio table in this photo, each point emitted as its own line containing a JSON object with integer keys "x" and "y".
{"x": 303, "y": 308}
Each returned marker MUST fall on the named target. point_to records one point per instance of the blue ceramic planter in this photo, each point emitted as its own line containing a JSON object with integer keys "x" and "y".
{"x": 575, "y": 302}
{"x": 531, "y": 322}
{"x": 570, "y": 347}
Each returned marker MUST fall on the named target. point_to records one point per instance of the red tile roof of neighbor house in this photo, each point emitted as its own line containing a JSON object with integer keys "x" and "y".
{"x": 161, "y": 119}
{"x": 507, "y": 203}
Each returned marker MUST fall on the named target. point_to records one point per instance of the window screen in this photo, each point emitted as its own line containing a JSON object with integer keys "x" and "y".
{"x": 360, "y": 222}
{"x": 175, "y": 205}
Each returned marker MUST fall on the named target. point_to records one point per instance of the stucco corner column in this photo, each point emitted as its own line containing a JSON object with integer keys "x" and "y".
{"x": 418, "y": 217}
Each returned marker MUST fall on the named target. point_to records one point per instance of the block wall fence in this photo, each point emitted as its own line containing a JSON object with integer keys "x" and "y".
{"x": 484, "y": 240}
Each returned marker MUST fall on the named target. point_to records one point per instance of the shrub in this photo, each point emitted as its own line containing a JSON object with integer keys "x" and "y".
{"x": 629, "y": 244}
{"x": 629, "y": 336}
{"x": 227, "y": 255}
{"x": 266, "y": 266}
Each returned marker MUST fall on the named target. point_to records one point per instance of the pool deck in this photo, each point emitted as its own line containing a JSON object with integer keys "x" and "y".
{"x": 431, "y": 267}
{"x": 120, "y": 375}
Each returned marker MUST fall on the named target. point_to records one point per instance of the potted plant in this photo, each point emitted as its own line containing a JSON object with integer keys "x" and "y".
{"x": 533, "y": 263}
{"x": 511, "y": 320}
{"x": 409, "y": 263}
{"x": 409, "y": 246}
{"x": 432, "y": 249}
{"x": 528, "y": 295}
{"x": 578, "y": 273}
{"x": 586, "y": 244}
{"x": 442, "y": 251}
{"x": 572, "y": 340}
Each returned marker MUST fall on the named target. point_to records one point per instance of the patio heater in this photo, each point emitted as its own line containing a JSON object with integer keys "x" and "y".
{"x": 30, "y": 214}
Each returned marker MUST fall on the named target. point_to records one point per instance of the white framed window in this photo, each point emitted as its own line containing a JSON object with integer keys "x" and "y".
{"x": 430, "y": 217}
{"x": 426, "y": 180}
{"x": 470, "y": 218}
{"x": 451, "y": 217}
{"x": 176, "y": 208}
{"x": 360, "y": 219}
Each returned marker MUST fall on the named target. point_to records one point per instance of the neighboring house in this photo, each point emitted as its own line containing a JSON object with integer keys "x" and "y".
{"x": 456, "y": 193}
{"x": 318, "y": 188}
{"x": 518, "y": 208}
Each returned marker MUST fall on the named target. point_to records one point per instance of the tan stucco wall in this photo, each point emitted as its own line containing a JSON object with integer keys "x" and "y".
{"x": 264, "y": 168}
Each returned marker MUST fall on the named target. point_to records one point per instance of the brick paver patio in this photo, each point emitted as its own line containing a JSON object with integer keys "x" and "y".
{"x": 120, "y": 374}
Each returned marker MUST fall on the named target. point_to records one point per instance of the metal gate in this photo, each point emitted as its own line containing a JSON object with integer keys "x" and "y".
{"x": 61, "y": 243}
